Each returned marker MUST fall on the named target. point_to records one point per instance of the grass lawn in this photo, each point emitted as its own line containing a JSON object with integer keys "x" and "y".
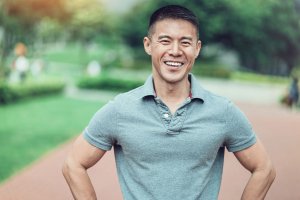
{"x": 29, "y": 129}
{"x": 259, "y": 78}
{"x": 73, "y": 54}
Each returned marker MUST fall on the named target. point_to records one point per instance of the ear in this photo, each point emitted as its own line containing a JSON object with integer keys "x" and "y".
{"x": 147, "y": 45}
{"x": 198, "y": 48}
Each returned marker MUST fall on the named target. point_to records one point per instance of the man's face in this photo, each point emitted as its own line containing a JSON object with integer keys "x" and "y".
{"x": 173, "y": 46}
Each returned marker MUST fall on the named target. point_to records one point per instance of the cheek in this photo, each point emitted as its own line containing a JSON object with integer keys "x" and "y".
{"x": 158, "y": 52}
{"x": 193, "y": 54}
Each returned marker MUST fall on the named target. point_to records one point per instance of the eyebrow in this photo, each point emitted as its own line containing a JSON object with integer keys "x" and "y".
{"x": 187, "y": 38}
{"x": 168, "y": 37}
{"x": 164, "y": 36}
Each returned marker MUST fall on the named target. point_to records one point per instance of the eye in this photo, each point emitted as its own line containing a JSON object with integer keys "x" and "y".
{"x": 164, "y": 42}
{"x": 186, "y": 43}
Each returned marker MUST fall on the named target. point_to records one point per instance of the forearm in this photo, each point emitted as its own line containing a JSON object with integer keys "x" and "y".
{"x": 259, "y": 184}
{"x": 79, "y": 182}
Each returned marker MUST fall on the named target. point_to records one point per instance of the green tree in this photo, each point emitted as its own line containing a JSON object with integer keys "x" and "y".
{"x": 268, "y": 39}
{"x": 89, "y": 19}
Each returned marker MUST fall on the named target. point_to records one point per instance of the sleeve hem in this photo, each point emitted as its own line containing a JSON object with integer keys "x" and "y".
{"x": 243, "y": 146}
{"x": 91, "y": 140}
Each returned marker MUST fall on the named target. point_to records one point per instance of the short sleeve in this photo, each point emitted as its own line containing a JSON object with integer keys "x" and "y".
{"x": 102, "y": 127}
{"x": 240, "y": 134}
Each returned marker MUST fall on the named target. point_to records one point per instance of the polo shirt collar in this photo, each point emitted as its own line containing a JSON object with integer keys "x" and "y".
{"x": 197, "y": 91}
{"x": 148, "y": 88}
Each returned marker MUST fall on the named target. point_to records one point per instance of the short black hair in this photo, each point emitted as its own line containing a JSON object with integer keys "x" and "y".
{"x": 173, "y": 12}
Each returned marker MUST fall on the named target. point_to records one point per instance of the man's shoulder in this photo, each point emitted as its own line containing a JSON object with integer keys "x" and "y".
{"x": 129, "y": 96}
{"x": 209, "y": 97}
{"x": 215, "y": 99}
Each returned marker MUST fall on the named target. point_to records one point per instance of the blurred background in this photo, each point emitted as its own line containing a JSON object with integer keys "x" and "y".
{"x": 61, "y": 60}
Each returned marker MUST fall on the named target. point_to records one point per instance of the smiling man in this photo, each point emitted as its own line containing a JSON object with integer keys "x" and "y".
{"x": 169, "y": 135}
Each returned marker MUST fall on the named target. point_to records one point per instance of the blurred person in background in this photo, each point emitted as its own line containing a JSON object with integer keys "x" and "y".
{"x": 293, "y": 92}
{"x": 169, "y": 135}
{"x": 20, "y": 65}
{"x": 93, "y": 68}
{"x": 291, "y": 98}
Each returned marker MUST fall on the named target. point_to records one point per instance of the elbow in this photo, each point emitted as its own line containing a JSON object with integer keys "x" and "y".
{"x": 269, "y": 172}
{"x": 71, "y": 168}
{"x": 272, "y": 174}
{"x": 266, "y": 172}
{"x": 68, "y": 168}
{"x": 65, "y": 169}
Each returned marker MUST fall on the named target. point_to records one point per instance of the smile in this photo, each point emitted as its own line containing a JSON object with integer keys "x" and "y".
{"x": 174, "y": 64}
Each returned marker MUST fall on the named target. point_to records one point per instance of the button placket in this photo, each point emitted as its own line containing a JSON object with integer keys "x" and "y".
{"x": 164, "y": 112}
{"x": 173, "y": 123}
{"x": 177, "y": 121}
{"x": 166, "y": 115}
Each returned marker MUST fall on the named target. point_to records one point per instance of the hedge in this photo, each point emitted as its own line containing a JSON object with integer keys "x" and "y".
{"x": 108, "y": 83}
{"x": 12, "y": 92}
{"x": 212, "y": 70}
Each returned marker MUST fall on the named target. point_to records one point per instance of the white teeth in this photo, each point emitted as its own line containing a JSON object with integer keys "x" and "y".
{"x": 174, "y": 64}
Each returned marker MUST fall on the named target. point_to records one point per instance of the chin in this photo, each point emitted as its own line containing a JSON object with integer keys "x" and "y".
{"x": 174, "y": 79}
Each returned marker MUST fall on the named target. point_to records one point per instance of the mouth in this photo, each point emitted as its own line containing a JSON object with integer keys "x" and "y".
{"x": 174, "y": 63}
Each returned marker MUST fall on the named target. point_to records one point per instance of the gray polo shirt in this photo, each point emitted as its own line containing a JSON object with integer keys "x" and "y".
{"x": 161, "y": 156}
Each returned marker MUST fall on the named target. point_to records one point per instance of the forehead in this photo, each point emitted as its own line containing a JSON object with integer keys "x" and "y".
{"x": 176, "y": 27}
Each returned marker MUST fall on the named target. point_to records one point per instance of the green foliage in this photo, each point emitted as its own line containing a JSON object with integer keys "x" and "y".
{"x": 30, "y": 129}
{"x": 271, "y": 44}
{"x": 258, "y": 78}
{"x": 12, "y": 92}
{"x": 296, "y": 72}
{"x": 49, "y": 30}
{"x": 214, "y": 70}
{"x": 105, "y": 82}
{"x": 88, "y": 19}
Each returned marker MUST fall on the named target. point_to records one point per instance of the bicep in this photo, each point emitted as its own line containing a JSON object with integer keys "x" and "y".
{"x": 85, "y": 154}
{"x": 254, "y": 157}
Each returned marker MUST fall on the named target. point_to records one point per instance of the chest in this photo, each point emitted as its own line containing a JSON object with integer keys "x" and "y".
{"x": 158, "y": 135}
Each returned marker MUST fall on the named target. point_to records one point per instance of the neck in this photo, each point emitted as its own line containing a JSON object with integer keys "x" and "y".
{"x": 172, "y": 94}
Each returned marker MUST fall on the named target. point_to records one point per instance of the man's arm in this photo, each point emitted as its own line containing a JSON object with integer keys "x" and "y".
{"x": 82, "y": 156}
{"x": 256, "y": 160}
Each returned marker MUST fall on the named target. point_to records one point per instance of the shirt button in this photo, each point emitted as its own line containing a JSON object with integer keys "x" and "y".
{"x": 166, "y": 115}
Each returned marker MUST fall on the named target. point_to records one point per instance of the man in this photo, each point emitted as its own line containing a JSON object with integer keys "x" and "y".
{"x": 169, "y": 135}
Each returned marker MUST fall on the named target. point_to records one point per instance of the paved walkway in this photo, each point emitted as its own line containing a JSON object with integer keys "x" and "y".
{"x": 278, "y": 128}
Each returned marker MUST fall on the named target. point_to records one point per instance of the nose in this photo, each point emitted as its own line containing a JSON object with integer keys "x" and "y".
{"x": 175, "y": 50}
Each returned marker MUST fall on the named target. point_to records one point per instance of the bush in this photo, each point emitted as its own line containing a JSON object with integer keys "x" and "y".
{"x": 13, "y": 92}
{"x": 212, "y": 70}
{"x": 109, "y": 83}
{"x": 259, "y": 78}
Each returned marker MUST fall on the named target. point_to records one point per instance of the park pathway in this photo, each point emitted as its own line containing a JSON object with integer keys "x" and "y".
{"x": 277, "y": 127}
